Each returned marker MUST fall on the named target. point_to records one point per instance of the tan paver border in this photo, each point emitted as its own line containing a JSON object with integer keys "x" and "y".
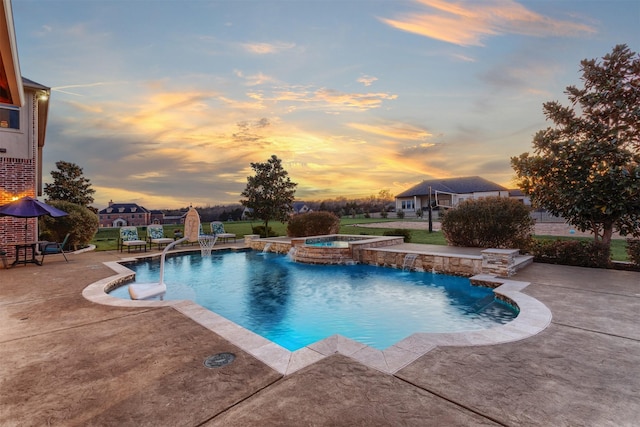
{"x": 533, "y": 318}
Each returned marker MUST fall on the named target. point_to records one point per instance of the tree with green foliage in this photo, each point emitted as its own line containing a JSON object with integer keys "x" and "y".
{"x": 69, "y": 185}
{"x": 270, "y": 192}
{"x": 81, "y": 224}
{"x": 587, "y": 168}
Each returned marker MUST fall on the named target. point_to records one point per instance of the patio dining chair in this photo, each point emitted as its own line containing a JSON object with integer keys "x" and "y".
{"x": 51, "y": 248}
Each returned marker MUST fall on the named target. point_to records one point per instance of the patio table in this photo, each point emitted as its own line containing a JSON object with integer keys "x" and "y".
{"x": 23, "y": 248}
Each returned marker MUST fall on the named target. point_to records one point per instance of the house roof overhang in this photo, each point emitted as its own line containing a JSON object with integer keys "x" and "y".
{"x": 11, "y": 89}
{"x": 42, "y": 96}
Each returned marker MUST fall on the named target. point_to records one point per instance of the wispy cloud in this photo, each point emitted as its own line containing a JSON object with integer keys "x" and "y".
{"x": 255, "y": 79}
{"x": 309, "y": 97}
{"x": 267, "y": 48}
{"x": 467, "y": 23}
{"x": 395, "y": 130}
{"x": 62, "y": 89}
{"x": 362, "y": 101}
{"x": 367, "y": 80}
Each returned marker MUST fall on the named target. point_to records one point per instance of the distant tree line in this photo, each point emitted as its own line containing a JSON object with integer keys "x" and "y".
{"x": 340, "y": 206}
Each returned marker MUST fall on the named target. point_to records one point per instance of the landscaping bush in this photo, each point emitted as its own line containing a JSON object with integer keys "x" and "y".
{"x": 399, "y": 232}
{"x": 578, "y": 253}
{"x": 313, "y": 224}
{"x": 259, "y": 229}
{"x": 490, "y": 222}
{"x": 81, "y": 223}
{"x": 400, "y": 214}
{"x": 633, "y": 251}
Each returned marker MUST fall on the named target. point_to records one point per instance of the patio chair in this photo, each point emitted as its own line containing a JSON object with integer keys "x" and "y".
{"x": 51, "y": 248}
{"x": 217, "y": 228}
{"x": 129, "y": 238}
{"x": 155, "y": 234}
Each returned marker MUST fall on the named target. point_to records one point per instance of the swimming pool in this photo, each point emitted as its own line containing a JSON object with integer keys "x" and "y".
{"x": 295, "y": 304}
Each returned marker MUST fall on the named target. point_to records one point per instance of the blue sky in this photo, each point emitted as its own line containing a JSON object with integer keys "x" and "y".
{"x": 166, "y": 103}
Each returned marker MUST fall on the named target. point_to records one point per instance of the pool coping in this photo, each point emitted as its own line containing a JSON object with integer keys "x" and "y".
{"x": 532, "y": 319}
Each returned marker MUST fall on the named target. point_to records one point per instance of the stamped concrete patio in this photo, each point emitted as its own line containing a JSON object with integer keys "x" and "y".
{"x": 68, "y": 361}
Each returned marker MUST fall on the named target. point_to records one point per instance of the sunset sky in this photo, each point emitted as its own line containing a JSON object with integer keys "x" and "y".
{"x": 166, "y": 103}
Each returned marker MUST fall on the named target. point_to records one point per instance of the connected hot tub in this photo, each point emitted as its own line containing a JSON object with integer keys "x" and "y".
{"x": 336, "y": 248}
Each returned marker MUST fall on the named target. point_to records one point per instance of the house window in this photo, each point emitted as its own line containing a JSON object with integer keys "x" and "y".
{"x": 9, "y": 117}
{"x": 407, "y": 205}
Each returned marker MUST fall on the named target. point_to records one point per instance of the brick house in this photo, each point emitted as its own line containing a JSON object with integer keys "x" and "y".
{"x": 24, "y": 106}
{"x": 123, "y": 214}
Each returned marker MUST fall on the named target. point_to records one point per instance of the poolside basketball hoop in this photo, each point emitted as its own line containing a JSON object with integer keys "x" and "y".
{"x": 191, "y": 234}
{"x": 206, "y": 243}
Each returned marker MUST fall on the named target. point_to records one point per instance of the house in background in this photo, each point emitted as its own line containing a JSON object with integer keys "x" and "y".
{"x": 447, "y": 193}
{"x": 300, "y": 208}
{"x": 517, "y": 194}
{"x": 156, "y": 216}
{"x": 124, "y": 214}
{"x": 24, "y": 106}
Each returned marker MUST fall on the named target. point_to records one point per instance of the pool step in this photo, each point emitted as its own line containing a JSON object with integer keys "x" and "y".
{"x": 522, "y": 261}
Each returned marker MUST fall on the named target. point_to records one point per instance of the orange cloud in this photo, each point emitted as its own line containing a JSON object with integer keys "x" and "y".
{"x": 467, "y": 23}
{"x": 394, "y": 130}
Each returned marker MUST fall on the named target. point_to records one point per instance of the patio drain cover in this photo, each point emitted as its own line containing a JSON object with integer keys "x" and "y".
{"x": 219, "y": 360}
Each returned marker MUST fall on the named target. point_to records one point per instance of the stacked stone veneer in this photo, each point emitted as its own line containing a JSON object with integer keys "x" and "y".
{"x": 458, "y": 265}
{"x": 378, "y": 251}
{"x": 257, "y": 244}
{"x": 499, "y": 262}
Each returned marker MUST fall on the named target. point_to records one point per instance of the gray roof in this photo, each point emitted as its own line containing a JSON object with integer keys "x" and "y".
{"x": 464, "y": 185}
{"x": 30, "y": 83}
{"x": 122, "y": 208}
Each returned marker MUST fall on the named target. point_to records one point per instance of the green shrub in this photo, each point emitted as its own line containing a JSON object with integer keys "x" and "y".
{"x": 490, "y": 222}
{"x": 313, "y": 224}
{"x": 259, "y": 229}
{"x": 400, "y": 214}
{"x": 633, "y": 251}
{"x": 578, "y": 253}
{"x": 81, "y": 224}
{"x": 399, "y": 232}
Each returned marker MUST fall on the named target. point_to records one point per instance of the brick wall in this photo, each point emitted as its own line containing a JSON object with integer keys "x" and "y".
{"x": 18, "y": 178}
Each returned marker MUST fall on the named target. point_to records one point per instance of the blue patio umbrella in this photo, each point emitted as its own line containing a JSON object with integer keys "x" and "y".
{"x": 28, "y": 207}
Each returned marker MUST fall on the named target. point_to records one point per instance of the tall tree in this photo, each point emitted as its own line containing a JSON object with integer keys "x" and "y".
{"x": 69, "y": 185}
{"x": 586, "y": 168}
{"x": 270, "y": 192}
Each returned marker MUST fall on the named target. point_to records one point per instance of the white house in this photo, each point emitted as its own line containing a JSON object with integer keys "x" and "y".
{"x": 447, "y": 193}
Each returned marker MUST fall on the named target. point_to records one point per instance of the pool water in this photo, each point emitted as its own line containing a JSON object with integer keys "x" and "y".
{"x": 330, "y": 244}
{"x": 295, "y": 304}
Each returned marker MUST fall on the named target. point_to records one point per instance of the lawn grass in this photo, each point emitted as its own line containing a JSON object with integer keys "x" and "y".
{"x": 107, "y": 238}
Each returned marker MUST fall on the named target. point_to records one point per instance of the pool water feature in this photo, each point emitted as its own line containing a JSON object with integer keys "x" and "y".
{"x": 295, "y": 305}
